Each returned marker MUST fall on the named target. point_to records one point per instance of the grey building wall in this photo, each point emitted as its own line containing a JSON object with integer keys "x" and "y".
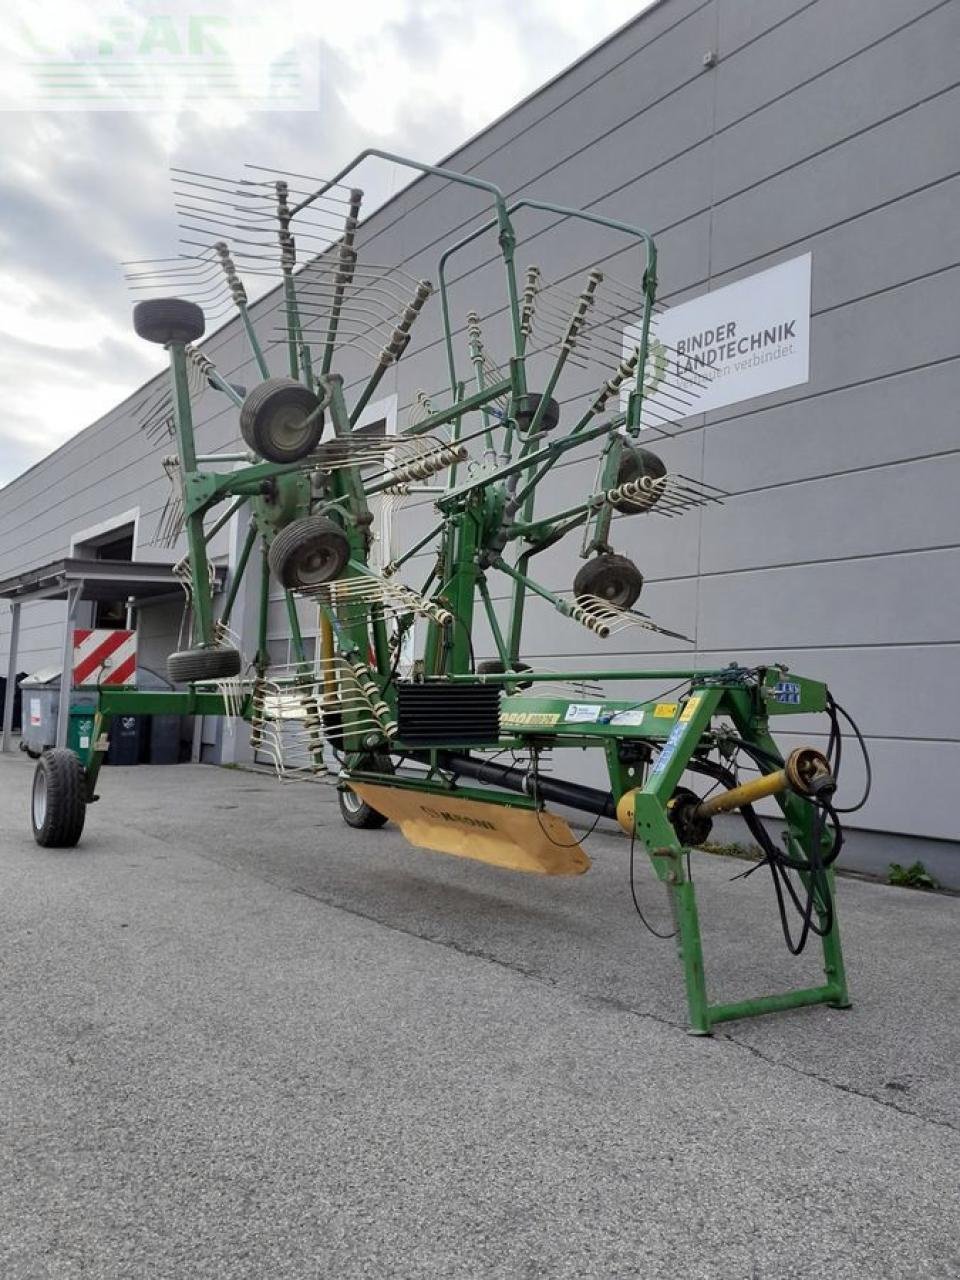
{"x": 823, "y": 127}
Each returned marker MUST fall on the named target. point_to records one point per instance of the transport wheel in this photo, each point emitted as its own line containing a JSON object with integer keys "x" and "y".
{"x": 167, "y": 320}
{"x": 635, "y": 464}
{"x": 309, "y": 552}
{"x": 613, "y": 578}
{"x": 494, "y": 667}
{"x": 527, "y": 407}
{"x": 281, "y": 420}
{"x": 203, "y": 664}
{"x": 59, "y": 801}
{"x": 356, "y": 812}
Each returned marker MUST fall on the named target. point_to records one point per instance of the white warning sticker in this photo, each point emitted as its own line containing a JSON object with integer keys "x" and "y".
{"x": 631, "y": 716}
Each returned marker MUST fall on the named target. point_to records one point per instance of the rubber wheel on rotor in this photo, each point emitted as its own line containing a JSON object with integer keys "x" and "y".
{"x": 356, "y": 812}
{"x": 58, "y": 803}
{"x": 166, "y": 320}
{"x": 614, "y": 579}
{"x": 308, "y": 553}
{"x": 635, "y": 464}
{"x": 494, "y": 667}
{"x": 527, "y": 406}
{"x": 190, "y": 665}
{"x": 281, "y": 420}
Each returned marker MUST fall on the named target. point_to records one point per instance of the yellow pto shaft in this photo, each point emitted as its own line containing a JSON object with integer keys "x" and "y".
{"x": 804, "y": 772}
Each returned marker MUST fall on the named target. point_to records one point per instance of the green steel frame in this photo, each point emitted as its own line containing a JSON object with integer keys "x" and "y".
{"x": 479, "y": 517}
{"x": 746, "y": 699}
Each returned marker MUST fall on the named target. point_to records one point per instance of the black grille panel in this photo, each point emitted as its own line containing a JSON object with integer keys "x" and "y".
{"x": 439, "y": 715}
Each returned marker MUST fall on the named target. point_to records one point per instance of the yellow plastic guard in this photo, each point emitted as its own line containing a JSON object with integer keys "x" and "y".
{"x": 518, "y": 839}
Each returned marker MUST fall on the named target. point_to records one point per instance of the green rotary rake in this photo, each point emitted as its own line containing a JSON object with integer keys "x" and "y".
{"x": 393, "y": 707}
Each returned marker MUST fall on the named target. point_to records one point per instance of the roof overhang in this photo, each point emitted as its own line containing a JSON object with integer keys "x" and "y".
{"x": 136, "y": 580}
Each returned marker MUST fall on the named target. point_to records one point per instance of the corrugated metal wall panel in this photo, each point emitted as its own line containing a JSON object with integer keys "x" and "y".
{"x": 823, "y": 128}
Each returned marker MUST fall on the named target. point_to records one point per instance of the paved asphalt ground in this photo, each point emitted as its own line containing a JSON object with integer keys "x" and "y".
{"x": 241, "y": 1040}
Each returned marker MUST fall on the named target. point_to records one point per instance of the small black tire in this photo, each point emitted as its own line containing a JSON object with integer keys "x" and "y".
{"x": 192, "y": 665}
{"x": 166, "y": 320}
{"x": 638, "y": 464}
{"x": 614, "y": 579}
{"x": 308, "y": 553}
{"x": 527, "y": 406}
{"x": 494, "y": 667}
{"x": 281, "y": 420}
{"x": 357, "y": 813}
{"x": 58, "y": 802}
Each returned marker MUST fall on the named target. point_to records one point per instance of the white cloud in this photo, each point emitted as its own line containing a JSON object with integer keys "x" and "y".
{"x": 83, "y": 190}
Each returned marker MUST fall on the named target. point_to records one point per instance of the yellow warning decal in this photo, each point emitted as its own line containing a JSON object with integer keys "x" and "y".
{"x": 665, "y": 710}
{"x": 690, "y": 708}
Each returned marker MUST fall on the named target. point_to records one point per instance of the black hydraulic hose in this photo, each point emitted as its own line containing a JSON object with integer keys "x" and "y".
{"x": 779, "y": 861}
{"x": 835, "y": 744}
{"x": 721, "y": 774}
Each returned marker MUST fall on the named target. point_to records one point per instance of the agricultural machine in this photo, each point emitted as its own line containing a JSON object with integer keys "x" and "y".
{"x": 392, "y": 706}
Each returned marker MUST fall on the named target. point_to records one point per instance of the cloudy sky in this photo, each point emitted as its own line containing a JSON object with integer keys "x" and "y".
{"x": 85, "y": 185}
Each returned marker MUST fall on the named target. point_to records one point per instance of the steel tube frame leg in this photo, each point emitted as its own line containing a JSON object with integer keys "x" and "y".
{"x": 95, "y": 756}
{"x": 11, "y": 674}
{"x": 652, "y": 828}
{"x": 262, "y": 660}
{"x": 296, "y": 635}
{"x": 691, "y": 951}
{"x": 66, "y": 671}
{"x": 833, "y": 965}
{"x": 196, "y": 539}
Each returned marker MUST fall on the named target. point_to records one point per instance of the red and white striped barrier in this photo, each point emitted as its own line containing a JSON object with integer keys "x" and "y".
{"x": 104, "y": 657}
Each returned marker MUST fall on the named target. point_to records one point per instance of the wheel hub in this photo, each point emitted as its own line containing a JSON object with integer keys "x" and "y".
{"x": 314, "y": 566}
{"x": 287, "y": 427}
{"x": 39, "y": 798}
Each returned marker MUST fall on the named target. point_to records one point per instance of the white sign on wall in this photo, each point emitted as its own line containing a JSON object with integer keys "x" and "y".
{"x": 741, "y": 341}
